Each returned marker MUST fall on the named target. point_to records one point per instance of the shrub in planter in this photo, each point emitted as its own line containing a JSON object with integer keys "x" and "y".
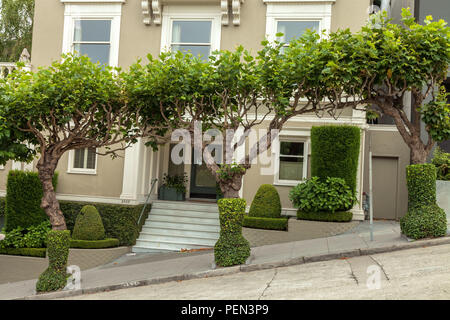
{"x": 424, "y": 222}
{"x": 88, "y": 225}
{"x": 28, "y": 252}
{"x": 335, "y": 153}
{"x": 23, "y": 199}
{"x": 173, "y": 188}
{"x": 315, "y": 195}
{"x": 2, "y": 206}
{"x": 266, "y": 203}
{"x": 424, "y": 218}
{"x": 55, "y": 276}
{"x": 231, "y": 248}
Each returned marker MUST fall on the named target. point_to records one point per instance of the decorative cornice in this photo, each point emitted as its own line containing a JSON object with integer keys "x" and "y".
{"x": 224, "y": 11}
{"x": 152, "y": 11}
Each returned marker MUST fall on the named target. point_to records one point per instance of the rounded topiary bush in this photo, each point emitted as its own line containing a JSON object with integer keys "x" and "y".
{"x": 88, "y": 225}
{"x": 424, "y": 222}
{"x": 55, "y": 276}
{"x": 231, "y": 248}
{"x": 266, "y": 203}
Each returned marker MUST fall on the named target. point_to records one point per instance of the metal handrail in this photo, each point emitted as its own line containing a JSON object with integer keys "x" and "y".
{"x": 146, "y": 200}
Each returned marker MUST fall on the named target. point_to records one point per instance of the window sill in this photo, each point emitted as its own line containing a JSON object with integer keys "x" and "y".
{"x": 287, "y": 183}
{"x": 88, "y": 172}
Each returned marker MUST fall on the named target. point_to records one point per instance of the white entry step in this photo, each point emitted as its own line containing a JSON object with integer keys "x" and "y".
{"x": 179, "y": 225}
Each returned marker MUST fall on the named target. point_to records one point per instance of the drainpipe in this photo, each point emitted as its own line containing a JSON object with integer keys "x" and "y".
{"x": 370, "y": 186}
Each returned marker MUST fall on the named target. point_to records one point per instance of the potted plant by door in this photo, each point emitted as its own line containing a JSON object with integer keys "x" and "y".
{"x": 173, "y": 188}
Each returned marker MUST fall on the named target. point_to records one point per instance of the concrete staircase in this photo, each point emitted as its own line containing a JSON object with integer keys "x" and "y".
{"x": 175, "y": 225}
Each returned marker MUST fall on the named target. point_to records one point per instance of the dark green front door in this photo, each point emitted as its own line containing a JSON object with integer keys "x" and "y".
{"x": 203, "y": 184}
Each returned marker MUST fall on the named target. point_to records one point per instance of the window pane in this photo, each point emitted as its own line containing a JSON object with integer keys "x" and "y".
{"x": 291, "y": 168}
{"x": 91, "y": 159}
{"x": 79, "y": 159}
{"x": 194, "y": 50}
{"x": 191, "y": 32}
{"x": 291, "y": 148}
{"x": 97, "y": 52}
{"x": 92, "y": 30}
{"x": 294, "y": 29}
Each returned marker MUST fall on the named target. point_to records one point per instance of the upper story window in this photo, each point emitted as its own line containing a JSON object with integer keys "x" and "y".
{"x": 293, "y": 18}
{"x": 194, "y": 29}
{"x": 294, "y": 29}
{"x": 93, "y": 30}
{"x": 93, "y": 38}
{"x": 192, "y": 36}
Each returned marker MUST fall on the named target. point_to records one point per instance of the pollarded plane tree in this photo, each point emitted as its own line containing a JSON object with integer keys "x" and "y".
{"x": 72, "y": 104}
{"x": 382, "y": 63}
{"x": 233, "y": 91}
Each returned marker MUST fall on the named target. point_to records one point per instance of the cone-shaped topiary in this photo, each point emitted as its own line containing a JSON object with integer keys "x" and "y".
{"x": 231, "y": 248}
{"x": 88, "y": 225}
{"x": 266, "y": 203}
{"x": 55, "y": 276}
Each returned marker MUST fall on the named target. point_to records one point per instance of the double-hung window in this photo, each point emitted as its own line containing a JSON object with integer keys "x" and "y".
{"x": 193, "y": 29}
{"x": 192, "y": 36}
{"x": 93, "y": 39}
{"x": 293, "y": 18}
{"x": 294, "y": 29}
{"x": 291, "y": 161}
{"x": 91, "y": 29}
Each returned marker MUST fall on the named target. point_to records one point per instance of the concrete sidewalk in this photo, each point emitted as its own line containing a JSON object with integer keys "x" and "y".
{"x": 132, "y": 271}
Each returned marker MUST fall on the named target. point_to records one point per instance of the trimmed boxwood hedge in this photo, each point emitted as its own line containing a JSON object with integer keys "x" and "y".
{"x": 94, "y": 244}
{"x": 119, "y": 221}
{"x": 425, "y": 222}
{"x": 55, "y": 276}
{"x": 340, "y": 216}
{"x": 2, "y": 206}
{"x": 231, "y": 248}
{"x": 23, "y": 199}
{"x": 30, "y": 252}
{"x": 266, "y": 223}
{"x": 421, "y": 183}
{"x": 335, "y": 152}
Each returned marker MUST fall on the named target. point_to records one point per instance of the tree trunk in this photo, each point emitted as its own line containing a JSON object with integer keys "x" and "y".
{"x": 231, "y": 187}
{"x": 418, "y": 155}
{"x": 46, "y": 168}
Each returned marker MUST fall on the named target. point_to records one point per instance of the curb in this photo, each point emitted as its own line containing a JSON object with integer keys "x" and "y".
{"x": 243, "y": 268}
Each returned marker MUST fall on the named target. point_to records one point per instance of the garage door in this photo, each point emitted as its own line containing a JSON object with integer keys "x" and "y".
{"x": 385, "y": 182}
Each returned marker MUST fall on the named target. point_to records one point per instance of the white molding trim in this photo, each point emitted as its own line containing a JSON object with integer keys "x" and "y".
{"x": 224, "y": 11}
{"x": 175, "y": 12}
{"x": 383, "y": 127}
{"x": 293, "y": 137}
{"x": 236, "y": 11}
{"x": 297, "y": 1}
{"x": 105, "y": 10}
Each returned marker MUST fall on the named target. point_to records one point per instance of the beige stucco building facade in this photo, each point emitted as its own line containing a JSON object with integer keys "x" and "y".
{"x": 128, "y": 30}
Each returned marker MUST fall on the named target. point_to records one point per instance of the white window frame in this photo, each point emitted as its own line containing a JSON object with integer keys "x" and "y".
{"x": 294, "y": 10}
{"x": 191, "y": 13}
{"x": 89, "y": 11}
{"x": 290, "y": 138}
{"x": 71, "y": 169}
